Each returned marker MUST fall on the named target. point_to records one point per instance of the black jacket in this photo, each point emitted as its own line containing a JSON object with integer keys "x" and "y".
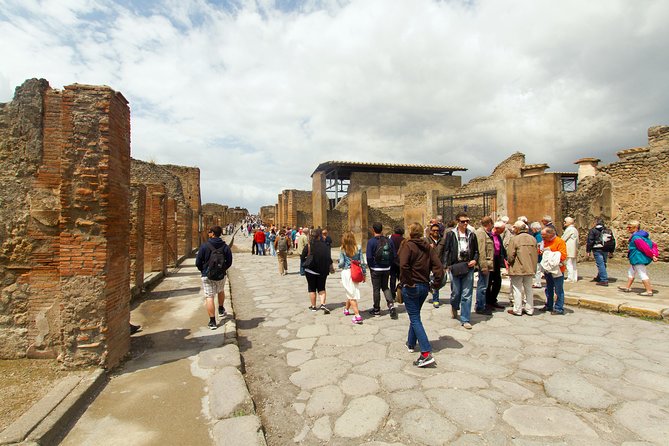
{"x": 204, "y": 253}
{"x": 451, "y": 248}
{"x": 321, "y": 253}
{"x": 594, "y": 241}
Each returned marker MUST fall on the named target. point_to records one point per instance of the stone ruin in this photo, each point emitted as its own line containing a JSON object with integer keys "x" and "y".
{"x": 634, "y": 187}
{"x": 84, "y": 225}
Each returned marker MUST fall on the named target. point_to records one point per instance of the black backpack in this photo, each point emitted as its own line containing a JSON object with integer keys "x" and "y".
{"x": 383, "y": 254}
{"x": 217, "y": 265}
{"x": 607, "y": 239}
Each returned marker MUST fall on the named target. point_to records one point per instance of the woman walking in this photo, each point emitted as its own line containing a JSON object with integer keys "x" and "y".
{"x": 641, "y": 252}
{"x": 316, "y": 260}
{"x": 416, "y": 262}
{"x": 350, "y": 252}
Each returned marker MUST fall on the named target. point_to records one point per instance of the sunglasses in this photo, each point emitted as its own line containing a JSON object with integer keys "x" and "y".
{"x": 464, "y": 221}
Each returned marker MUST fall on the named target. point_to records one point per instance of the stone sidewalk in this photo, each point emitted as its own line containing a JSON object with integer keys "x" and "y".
{"x": 586, "y": 377}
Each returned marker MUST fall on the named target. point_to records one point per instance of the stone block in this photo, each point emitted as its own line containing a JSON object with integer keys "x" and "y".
{"x": 228, "y": 394}
{"x": 600, "y": 304}
{"x": 640, "y": 310}
{"x": 245, "y": 430}
{"x": 226, "y": 356}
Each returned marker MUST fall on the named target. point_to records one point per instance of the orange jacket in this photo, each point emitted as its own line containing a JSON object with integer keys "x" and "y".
{"x": 555, "y": 245}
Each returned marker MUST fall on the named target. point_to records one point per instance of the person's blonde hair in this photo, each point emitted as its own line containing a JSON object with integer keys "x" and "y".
{"x": 348, "y": 244}
{"x": 415, "y": 230}
{"x": 634, "y": 224}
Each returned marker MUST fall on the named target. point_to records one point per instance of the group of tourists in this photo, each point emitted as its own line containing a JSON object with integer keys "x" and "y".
{"x": 408, "y": 270}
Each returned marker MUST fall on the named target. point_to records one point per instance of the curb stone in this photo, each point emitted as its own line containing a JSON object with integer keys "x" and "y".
{"x": 47, "y": 420}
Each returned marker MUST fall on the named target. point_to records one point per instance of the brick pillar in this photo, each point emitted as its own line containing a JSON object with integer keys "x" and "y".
{"x": 155, "y": 225}
{"x": 171, "y": 232}
{"x": 137, "y": 224}
{"x": 319, "y": 200}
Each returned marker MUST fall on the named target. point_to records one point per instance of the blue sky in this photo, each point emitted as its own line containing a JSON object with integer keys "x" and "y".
{"x": 258, "y": 93}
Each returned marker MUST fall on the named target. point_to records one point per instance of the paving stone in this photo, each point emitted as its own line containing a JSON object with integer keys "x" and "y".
{"x": 345, "y": 340}
{"x": 364, "y": 353}
{"x": 649, "y": 380}
{"x": 476, "y": 367}
{"x": 297, "y": 357}
{"x": 322, "y": 429}
{"x": 312, "y": 331}
{"x": 469, "y": 440}
{"x": 283, "y": 333}
{"x": 378, "y": 367}
{"x": 622, "y": 389}
{"x": 325, "y": 400}
{"x": 428, "y": 427}
{"x": 454, "y": 380}
{"x": 228, "y": 394}
{"x": 359, "y": 385}
{"x": 494, "y": 339}
{"x": 239, "y": 430}
{"x": 571, "y": 388}
{"x": 649, "y": 366}
{"x": 300, "y": 344}
{"x": 397, "y": 381}
{"x": 474, "y": 413}
{"x": 647, "y": 420}
{"x": 601, "y": 364}
{"x": 542, "y": 365}
{"x": 542, "y": 421}
{"x": 515, "y": 391}
{"x": 409, "y": 398}
{"x": 319, "y": 372}
{"x": 299, "y": 407}
{"x": 216, "y": 358}
{"x": 363, "y": 416}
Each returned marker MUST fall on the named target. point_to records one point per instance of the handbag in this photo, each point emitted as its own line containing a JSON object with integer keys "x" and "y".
{"x": 309, "y": 259}
{"x": 459, "y": 269}
{"x": 398, "y": 295}
{"x": 356, "y": 272}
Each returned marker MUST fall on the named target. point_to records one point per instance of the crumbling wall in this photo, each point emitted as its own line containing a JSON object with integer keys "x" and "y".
{"x": 381, "y": 215}
{"x": 189, "y": 217}
{"x": 64, "y": 262}
{"x": 137, "y": 222}
{"x": 388, "y": 189}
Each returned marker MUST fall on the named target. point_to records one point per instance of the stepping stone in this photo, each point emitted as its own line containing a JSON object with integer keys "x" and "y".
{"x": 647, "y": 420}
{"x": 319, "y": 372}
{"x": 363, "y": 416}
{"x": 473, "y": 412}
{"x": 325, "y": 400}
{"x": 358, "y": 385}
{"x": 427, "y": 427}
{"x": 544, "y": 421}
{"x": 571, "y": 388}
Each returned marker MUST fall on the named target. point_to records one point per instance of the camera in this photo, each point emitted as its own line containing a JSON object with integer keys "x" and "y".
{"x": 463, "y": 256}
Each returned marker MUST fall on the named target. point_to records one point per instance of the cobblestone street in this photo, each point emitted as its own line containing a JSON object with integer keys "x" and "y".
{"x": 583, "y": 378}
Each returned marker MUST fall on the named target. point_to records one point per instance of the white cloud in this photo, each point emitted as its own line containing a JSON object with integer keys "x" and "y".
{"x": 258, "y": 96}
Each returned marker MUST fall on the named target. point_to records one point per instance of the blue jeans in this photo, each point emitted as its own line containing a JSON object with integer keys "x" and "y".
{"x": 600, "y": 260}
{"x": 413, "y": 301}
{"x": 435, "y": 292}
{"x": 260, "y": 249}
{"x": 554, "y": 285}
{"x": 481, "y": 285}
{"x": 461, "y": 294}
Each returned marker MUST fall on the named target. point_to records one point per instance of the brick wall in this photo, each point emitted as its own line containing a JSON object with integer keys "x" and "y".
{"x": 190, "y": 183}
{"x": 155, "y": 227}
{"x": 64, "y": 262}
{"x": 137, "y": 213}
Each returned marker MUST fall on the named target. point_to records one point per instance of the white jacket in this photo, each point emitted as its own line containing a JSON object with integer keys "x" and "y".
{"x": 570, "y": 238}
{"x": 550, "y": 262}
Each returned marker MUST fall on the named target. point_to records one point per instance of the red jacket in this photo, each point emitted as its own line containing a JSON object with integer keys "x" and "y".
{"x": 259, "y": 237}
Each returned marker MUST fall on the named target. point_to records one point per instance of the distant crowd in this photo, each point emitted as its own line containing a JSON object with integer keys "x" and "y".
{"x": 408, "y": 270}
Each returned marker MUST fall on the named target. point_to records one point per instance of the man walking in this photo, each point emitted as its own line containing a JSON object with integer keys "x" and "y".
{"x": 554, "y": 246}
{"x": 570, "y": 237}
{"x": 259, "y": 238}
{"x": 281, "y": 246}
{"x": 595, "y": 245}
{"x": 495, "y": 274}
{"x": 380, "y": 255}
{"x": 302, "y": 240}
{"x": 213, "y": 260}
{"x": 461, "y": 254}
{"x": 433, "y": 238}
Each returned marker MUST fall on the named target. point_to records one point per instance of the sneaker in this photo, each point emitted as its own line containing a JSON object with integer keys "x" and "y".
{"x": 393, "y": 313}
{"x": 347, "y": 312}
{"x": 545, "y": 309}
{"x": 510, "y": 311}
{"x": 467, "y": 325}
{"x": 221, "y": 312}
{"x": 313, "y": 308}
{"x": 375, "y": 312}
{"x": 602, "y": 283}
{"x": 484, "y": 311}
{"x": 557, "y": 313}
{"x": 325, "y": 309}
{"x": 422, "y": 361}
{"x": 410, "y": 348}
{"x": 435, "y": 304}
{"x": 212, "y": 325}
{"x": 356, "y": 320}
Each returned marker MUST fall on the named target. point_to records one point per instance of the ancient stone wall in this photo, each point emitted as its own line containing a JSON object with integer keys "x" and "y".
{"x": 64, "y": 263}
{"x": 267, "y": 214}
{"x": 534, "y": 197}
{"x": 137, "y": 221}
{"x": 382, "y": 216}
{"x": 388, "y": 190}
{"x": 179, "y": 212}
{"x": 155, "y": 229}
{"x": 190, "y": 186}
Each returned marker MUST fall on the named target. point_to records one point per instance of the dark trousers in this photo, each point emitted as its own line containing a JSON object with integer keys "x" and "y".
{"x": 380, "y": 283}
{"x": 494, "y": 282}
{"x": 394, "y": 275}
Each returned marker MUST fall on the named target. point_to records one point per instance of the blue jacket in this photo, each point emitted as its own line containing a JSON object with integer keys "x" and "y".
{"x": 635, "y": 256}
{"x": 345, "y": 261}
{"x": 372, "y": 244}
{"x": 204, "y": 253}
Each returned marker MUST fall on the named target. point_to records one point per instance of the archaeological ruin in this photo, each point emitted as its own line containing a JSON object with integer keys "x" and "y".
{"x": 84, "y": 224}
